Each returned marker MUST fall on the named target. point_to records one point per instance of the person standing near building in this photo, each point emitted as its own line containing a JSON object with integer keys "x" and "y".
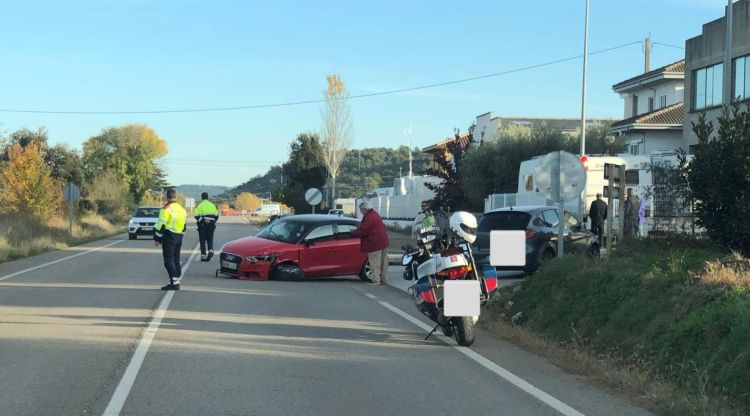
{"x": 641, "y": 217}
{"x": 630, "y": 215}
{"x": 374, "y": 242}
{"x": 168, "y": 234}
{"x": 206, "y": 216}
{"x": 598, "y": 213}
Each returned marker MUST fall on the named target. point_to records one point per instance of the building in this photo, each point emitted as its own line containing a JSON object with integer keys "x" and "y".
{"x": 440, "y": 150}
{"x": 709, "y": 82}
{"x": 653, "y": 112}
{"x": 487, "y": 125}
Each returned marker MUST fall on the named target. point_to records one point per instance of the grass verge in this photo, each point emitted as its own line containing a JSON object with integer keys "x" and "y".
{"x": 665, "y": 323}
{"x": 21, "y": 236}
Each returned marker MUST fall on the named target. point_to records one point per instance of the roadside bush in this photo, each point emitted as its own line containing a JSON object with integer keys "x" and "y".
{"x": 719, "y": 178}
{"x": 681, "y": 309}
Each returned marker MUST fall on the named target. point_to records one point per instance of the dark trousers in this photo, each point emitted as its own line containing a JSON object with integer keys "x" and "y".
{"x": 598, "y": 230}
{"x": 171, "y": 245}
{"x": 206, "y": 237}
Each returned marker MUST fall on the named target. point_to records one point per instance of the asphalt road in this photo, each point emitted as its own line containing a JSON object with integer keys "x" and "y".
{"x": 92, "y": 334}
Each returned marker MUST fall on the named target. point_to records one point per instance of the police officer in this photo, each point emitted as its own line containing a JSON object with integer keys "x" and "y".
{"x": 206, "y": 216}
{"x": 168, "y": 233}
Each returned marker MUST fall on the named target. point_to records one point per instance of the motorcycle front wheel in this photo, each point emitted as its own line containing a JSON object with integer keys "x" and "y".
{"x": 463, "y": 330}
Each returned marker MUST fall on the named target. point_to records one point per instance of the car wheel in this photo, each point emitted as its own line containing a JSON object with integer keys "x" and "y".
{"x": 594, "y": 250}
{"x": 288, "y": 272}
{"x": 365, "y": 273}
{"x": 132, "y": 236}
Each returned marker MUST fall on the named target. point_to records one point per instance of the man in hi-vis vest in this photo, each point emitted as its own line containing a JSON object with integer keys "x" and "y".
{"x": 168, "y": 233}
{"x": 206, "y": 216}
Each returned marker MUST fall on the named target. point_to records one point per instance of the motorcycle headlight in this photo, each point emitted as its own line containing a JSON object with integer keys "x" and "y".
{"x": 261, "y": 258}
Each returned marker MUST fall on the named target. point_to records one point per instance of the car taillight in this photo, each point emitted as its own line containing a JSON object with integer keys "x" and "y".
{"x": 530, "y": 234}
{"x": 454, "y": 272}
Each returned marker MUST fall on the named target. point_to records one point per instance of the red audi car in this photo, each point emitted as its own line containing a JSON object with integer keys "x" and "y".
{"x": 295, "y": 248}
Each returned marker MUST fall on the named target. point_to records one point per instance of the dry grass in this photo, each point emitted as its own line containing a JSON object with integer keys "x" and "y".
{"x": 732, "y": 272}
{"x": 21, "y": 236}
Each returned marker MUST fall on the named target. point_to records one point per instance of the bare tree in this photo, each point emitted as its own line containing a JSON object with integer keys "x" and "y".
{"x": 338, "y": 130}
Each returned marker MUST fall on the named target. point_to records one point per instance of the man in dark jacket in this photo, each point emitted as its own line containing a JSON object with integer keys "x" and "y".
{"x": 374, "y": 242}
{"x": 598, "y": 213}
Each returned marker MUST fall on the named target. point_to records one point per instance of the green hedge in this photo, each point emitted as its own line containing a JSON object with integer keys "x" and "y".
{"x": 648, "y": 304}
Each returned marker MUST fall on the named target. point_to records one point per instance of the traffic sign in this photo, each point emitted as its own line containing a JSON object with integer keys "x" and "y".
{"x": 313, "y": 196}
{"x": 189, "y": 202}
{"x": 614, "y": 168}
{"x": 615, "y": 192}
{"x": 71, "y": 192}
{"x": 560, "y": 176}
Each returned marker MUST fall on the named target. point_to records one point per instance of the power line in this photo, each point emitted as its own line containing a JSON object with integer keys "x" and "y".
{"x": 669, "y": 46}
{"x": 317, "y": 101}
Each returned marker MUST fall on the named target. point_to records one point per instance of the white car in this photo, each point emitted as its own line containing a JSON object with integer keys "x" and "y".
{"x": 142, "y": 222}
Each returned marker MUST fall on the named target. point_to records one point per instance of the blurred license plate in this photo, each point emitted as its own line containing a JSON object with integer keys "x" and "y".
{"x": 228, "y": 265}
{"x": 147, "y": 228}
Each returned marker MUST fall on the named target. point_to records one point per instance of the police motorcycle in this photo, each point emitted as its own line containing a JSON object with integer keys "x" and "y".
{"x": 436, "y": 261}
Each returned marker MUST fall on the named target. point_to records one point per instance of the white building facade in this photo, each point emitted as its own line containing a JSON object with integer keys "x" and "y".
{"x": 653, "y": 113}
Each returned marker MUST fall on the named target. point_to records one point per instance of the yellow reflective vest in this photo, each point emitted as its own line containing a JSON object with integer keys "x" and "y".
{"x": 206, "y": 213}
{"x": 172, "y": 217}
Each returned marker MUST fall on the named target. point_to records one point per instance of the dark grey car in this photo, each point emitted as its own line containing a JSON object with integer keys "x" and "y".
{"x": 541, "y": 226}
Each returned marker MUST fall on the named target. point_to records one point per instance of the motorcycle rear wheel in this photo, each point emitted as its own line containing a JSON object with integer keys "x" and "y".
{"x": 463, "y": 330}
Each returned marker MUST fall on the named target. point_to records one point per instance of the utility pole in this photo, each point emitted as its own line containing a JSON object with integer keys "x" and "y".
{"x": 408, "y": 133}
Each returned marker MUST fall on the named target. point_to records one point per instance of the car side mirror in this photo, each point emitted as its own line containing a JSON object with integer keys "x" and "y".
{"x": 130, "y": 217}
{"x": 309, "y": 243}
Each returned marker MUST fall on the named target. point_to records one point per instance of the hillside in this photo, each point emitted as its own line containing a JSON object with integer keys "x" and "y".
{"x": 259, "y": 185}
{"x": 361, "y": 171}
{"x": 194, "y": 191}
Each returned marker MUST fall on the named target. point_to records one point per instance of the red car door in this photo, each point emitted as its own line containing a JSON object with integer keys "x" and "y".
{"x": 320, "y": 254}
{"x": 351, "y": 258}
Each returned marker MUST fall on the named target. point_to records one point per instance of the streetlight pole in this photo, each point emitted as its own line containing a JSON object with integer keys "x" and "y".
{"x": 583, "y": 98}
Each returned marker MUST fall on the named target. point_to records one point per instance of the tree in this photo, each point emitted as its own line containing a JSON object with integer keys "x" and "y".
{"x": 24, "y": 137}
{"x": 601, "y": 141}
{"x": 65, "y": 164}
{"x": 28, "y": 187}
{"x": 304, "y": 169}
{"x": 109, "y": 193}
{"x": 247, "y": 202}
{"x": 131, "y": 151}
{"x": 493, "y": 167}
{"x": 719, "y": 178}
{"x": 338, "y": 130}
{"x": 450, "y": 192}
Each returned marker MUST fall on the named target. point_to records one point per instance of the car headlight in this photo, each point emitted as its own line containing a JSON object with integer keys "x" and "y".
{"x": 261, "y": 258}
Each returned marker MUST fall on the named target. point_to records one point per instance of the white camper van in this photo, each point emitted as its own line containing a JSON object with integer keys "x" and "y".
{"x": 638, "y": 175}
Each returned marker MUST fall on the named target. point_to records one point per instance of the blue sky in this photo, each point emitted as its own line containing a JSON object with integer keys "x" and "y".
{"x": 137, "y": 55}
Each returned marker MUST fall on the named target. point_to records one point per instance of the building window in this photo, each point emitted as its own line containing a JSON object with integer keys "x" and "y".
{"x": 741, "y": 79}
{"x": 635, "y": 105}
{"x": 708, "y": 85}
{"x": 634, "y": 148}
{"x": 650, "y": 104}
{"x": 662, "y": 101}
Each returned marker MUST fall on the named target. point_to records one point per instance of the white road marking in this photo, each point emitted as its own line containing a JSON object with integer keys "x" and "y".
{"x": 128, "y": 379}
{"x": 371, "y": 296}
{"x": 8, "y": 276}
{"x": 522, "y": 384}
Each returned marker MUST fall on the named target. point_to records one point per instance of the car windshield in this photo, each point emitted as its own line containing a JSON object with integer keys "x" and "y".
{"x": 147, "y": 212}
{"x": 284, "y": 231}
{"x": 506, "y": 220}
